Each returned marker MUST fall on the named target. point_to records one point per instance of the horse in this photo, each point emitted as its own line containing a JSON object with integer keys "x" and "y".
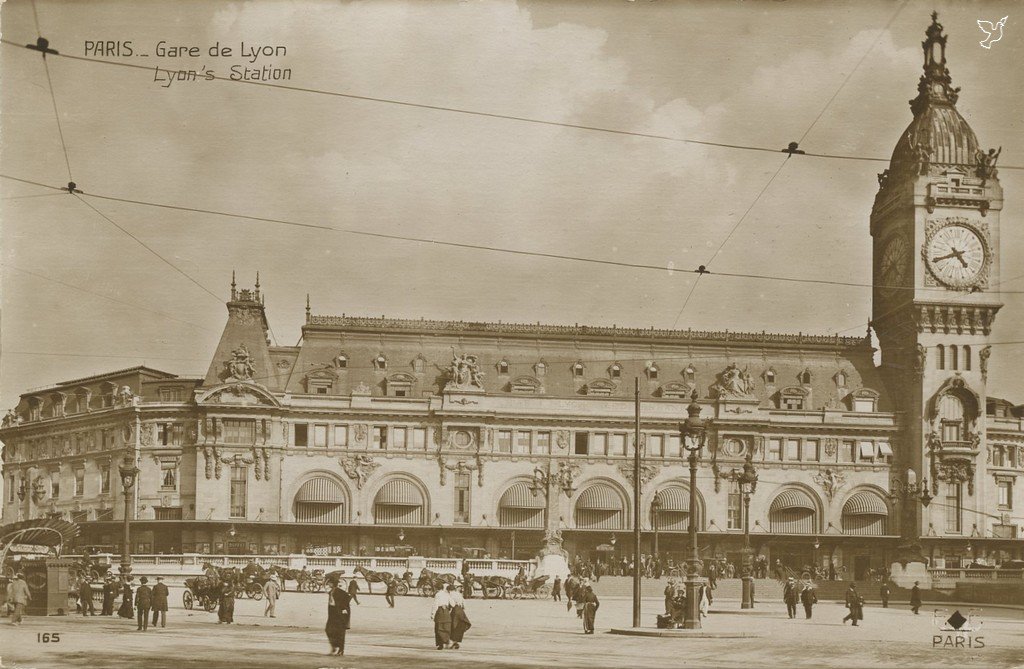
{"x": 372, "y": 576}
{"x": 286, "y": 575}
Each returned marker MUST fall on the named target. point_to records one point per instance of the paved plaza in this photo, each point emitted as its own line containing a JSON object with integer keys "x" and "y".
{"x": 508, "y": 634}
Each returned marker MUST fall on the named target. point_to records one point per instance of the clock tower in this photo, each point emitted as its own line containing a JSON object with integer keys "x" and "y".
{"x": 935, "y": 226}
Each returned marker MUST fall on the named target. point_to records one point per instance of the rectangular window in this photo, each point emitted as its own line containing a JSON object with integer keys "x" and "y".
{"x": 884, "y": 451}
{"x": 108, "y": 439}
{"x": 400, "y": 438}
{"x": 341, "y": 436}
{"x": 171, "y": 395}
{"x": 617, "y": 444}
{"x": 239, "y": 479}
{"x": 998, "y": 457}
{"x": 104, "y": 479}
{"x": 655, "y": 444}
{"x": 952, "y": 430}
{"x": 1005, "y": 494}
{"x": 55, "y": 485}
{"x": 954, "y": 501}
{"x": 419, "y": 438}
{"x": 79, "y": 482}
{"x": 599, "y": 444}
{"x": 865, "y": 406}
{"x": 301, "y": 434}
{"x": 582, "y": 443}
{"x": 523, "y": 439}
{"x": 867, "y": 450}
{"x": 462, "y": 495}
{"x": 542, "y": 444}
{"x": 239, "y": 431}
{"x": 812, "y": 450}
{"x": 774, "y": 451}
{"x": 167, "y": 512}
{"x": 735, "y": 517}
{"x": 380, "y": 437}
{"x": 168, "y": 475}
{"x": 504, "y": 441}
{"x": 793, "y": 403}
{"x": 792, "y": 450}
{"x": 169, "y": 434}
{"x": 672, "y": 446}
{"x": 320, "y": 436}
{"x": 11, "y": 488}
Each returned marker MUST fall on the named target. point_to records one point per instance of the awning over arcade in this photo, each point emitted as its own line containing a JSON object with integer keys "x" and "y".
{"x": 599, "y": 497}
{"x": 321, "y": 490}
{"x": 519, "y": 497}
{"x": 865, "y": 504}
{"x": 792, "y": 499}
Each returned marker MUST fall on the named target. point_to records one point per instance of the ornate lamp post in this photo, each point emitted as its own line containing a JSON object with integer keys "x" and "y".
{"x": 748, "y": 484}
{"x": 693, "y": 435}
{"x": 655, "y": 510}
{"x": 129, "y": 473}
{"x": 553, "y": 559}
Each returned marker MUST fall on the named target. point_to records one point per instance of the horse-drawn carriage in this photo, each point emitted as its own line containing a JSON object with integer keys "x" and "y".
{"x": 430, "y": 582}
{"x": 537, "y": 588}
{"x": 202, "y": 590}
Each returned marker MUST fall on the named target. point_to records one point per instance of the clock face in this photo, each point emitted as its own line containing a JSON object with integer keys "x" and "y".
{"x": 955, "y": 254}
{"x": 894, "y": 264}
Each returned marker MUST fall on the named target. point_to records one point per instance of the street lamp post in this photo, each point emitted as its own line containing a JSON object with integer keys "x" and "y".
{"x": 129, "y": 473}
{"x": 655, "y": 510}
{"x": 693, "y": 435}
{"x": 748, "y": 484}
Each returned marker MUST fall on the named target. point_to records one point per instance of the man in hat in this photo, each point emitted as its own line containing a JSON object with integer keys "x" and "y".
{"x": 855, "y": 603}
{"x": 85, "y": 597}
{"x": 272, "y": 591}
{"x": 915, "y": 597}
{"x": 143, "y": 603}
{"x": 19, "y": 596}
{"x": 791, "y": 596}
{"x": 160, "y": 594}
{"x": 109, "y": 595}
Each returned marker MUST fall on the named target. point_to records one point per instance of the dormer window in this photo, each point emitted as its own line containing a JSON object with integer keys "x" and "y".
{"x": 793, "y": 399}
{"x": 652, "y": 371}
{"x": 380, "y": 363}
{"x": 615, "y": 371}
{"x": 769, "y": 376}
{"x": 864, "y": 400}
{"x": 341, "y": 362}
{"x": 805, "y": 377}
{"x": 400, "y": 385}
{"x": 578, "y": 369}
{"x": 107, "y": 398}
{"x": 690, "y": 374}
{"x": 525, "y": 385}
{"x": 600, "y": 388}
{"x": 35, "y": 408}
{"x": 503, "y": 367}
{"x": 540, "y": 368}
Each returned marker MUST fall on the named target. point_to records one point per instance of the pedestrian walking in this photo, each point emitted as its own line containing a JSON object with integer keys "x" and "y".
{"x": 884, "y": 593}
{"x": 272, "y": 592}
{"x": 353, "y": 590}
{"x": 590, "y": 606}
{"x": 855, "y": 604}
{"x": 442, "y": 617}
{"x": 18, "y": 596}
{"x": 915, "y": 597}
{"x": 392, "y": 590}
{"x": 143, "y": 603}
{"x": 670, "y": 596}
{"x": 226, "y": 609}
{"x": 808, "y": 598}
{"x": 85, "y": 597}
{"x": 126, "y": 610}
{"x": 570, "y": 590}
{"x": 460, "y": 621}
{"x": 556, "y": 589}
{"x": 339, "y": 617}
{"x": 713, "y": 575}
{"x": 109, "y": 595}
{"x": 160, "y": 595}
{"x": 790, "y": 595}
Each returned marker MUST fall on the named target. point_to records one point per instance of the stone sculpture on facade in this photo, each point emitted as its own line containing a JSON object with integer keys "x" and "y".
{"x": 734, "y": 383}
{"x": 38, "y": 489}
{"x": 124, "y": 397}
{"x": 464, "y": 373}
{"x": 358, "y": 468}
{"x": 240, "y": 367}
{"x": 983, "y": 356}
{"x": 461, "y": 467}
{"x": 986, "y": 163}
{"x": 830, "y": 481}
{"x": 11, "y": 419}
{"x": 647, "y": 472}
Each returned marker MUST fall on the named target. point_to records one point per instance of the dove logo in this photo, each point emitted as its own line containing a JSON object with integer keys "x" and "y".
{"x": 993, "y": 33}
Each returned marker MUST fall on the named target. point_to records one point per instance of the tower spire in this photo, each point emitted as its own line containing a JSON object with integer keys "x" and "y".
{"x": 257, "y": 286}
{"x": 935, "y": 86}
{"x": 234, "y": 291}
{"x": 307, "y": 308}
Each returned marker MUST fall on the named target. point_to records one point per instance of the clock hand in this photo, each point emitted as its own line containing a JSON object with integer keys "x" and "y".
{"x": 959, "y": 256}
{"x": 948, "y": 255}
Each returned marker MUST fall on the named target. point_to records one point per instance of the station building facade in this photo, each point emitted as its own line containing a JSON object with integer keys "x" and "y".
{"x": 378, "y": 435}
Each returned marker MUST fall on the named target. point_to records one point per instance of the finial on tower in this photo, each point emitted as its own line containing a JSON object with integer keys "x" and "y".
{"x": 307, "y": 308}
{"x": 935, "y": 86}
{"x": 234, "y": 292}
{"x": 257, "y": 286}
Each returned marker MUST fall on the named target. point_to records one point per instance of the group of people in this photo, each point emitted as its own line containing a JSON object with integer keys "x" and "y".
{"x": 676, "y": 602}
{"x": 579, "y": 594}
{"x": 803, "y": 592}
{"x": 448, "y": 612}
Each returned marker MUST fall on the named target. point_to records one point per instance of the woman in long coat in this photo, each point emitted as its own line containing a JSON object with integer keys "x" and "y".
{"x": 339, "y": 616}
{"x": 127, "y": 609}
{"x": 226, "y": 612}
{"x": 460, "y": 622}
{"x": 590, "y": 606}
{"x": 442, "y": 618}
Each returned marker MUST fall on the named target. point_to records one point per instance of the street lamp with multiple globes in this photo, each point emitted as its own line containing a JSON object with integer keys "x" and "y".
{"x": 129, "y": 473}
{"x": 655, "y": 510}
{"x": 748, "y": 484}
{"x": 693, "y": 435}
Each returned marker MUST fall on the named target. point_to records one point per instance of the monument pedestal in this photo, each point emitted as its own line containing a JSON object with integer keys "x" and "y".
{"x": 552, "y": 560}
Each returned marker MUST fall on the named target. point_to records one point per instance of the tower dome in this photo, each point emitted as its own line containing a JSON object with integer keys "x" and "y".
{"x": 938, "y": 135}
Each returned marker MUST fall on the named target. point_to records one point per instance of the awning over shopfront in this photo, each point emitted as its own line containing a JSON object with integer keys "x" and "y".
{"x": 865, "y": 504}
{"x": 321, "y": 490}
{"x": 519, "y": 496}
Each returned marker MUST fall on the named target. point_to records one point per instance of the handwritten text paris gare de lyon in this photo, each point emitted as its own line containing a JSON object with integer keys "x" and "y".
{"x": 164, "y": 49}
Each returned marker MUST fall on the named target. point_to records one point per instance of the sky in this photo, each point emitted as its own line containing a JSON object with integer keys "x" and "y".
{"x": 81, "y": 296}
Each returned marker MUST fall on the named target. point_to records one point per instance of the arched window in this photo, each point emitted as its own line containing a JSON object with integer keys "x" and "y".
{"x": 793, "y": 512}
{"x": 652, "y": 371}
{"x": 805, "y": 377}
{"x": 954, "y": 359}
{"x": 399, "y": 502}
{"x": 578, "y": 369}
{"x": 320, "y": 500}
{"x": 865, "y": 513}
{"x": 615, "y": 371}
{"x": 951, "y": 417}
{"x": 940, "y": 356}
{"x": 600, "y": 507}
{"x": 967, "y": 358}
{"x": 520, "y": 508}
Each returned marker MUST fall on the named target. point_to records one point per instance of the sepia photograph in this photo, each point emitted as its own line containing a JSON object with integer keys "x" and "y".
{"x": 511, "y": 333}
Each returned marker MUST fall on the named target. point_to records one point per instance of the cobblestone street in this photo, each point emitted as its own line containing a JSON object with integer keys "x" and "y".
{"x": 507, "y": 634}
